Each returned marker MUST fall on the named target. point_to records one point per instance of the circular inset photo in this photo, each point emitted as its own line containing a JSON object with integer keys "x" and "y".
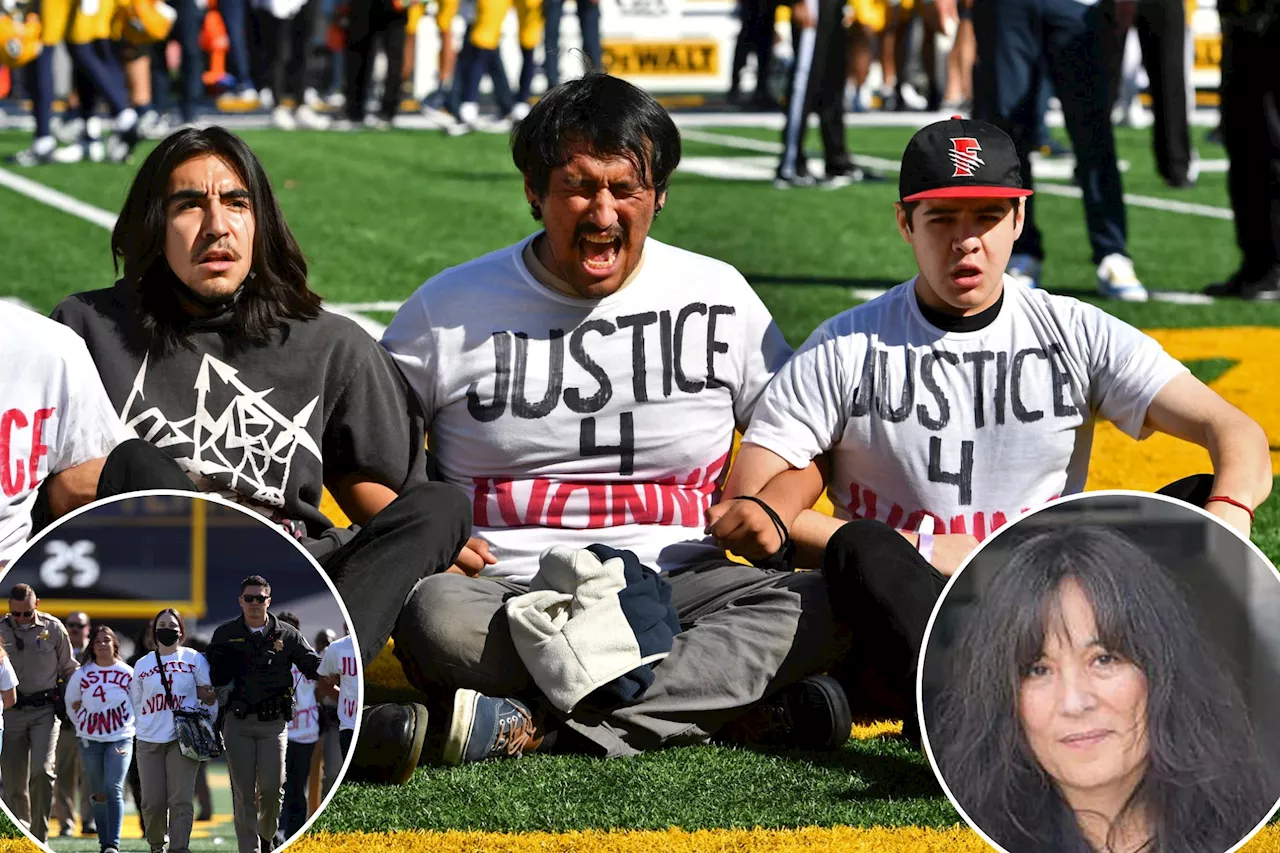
{"x": 1103, "y": 676}
{"x": 175, "y": 674}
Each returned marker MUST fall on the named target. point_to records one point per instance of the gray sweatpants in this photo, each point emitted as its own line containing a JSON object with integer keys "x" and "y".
{"x": 747, "y": 633}
{"x": 27, "y": 765}
{"x": 168, "y": 782}
{"x": 255, "y": 762}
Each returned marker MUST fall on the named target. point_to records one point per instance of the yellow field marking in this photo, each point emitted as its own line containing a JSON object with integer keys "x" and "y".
{"x": 843, "y": 838}
{"x": 1120, "y": 463}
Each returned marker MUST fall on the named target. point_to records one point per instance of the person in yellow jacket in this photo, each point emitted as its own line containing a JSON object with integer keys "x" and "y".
{"x": 480, "y": 56}
{"x": 85, "y": 26}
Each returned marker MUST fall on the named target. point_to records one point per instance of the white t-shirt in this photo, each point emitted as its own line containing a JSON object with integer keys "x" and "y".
{"x": 8, "y": 681}
{"x": 185, "y": 669}
{"x": 305, "y": 725}
{"x": 340, "y": 659}
{"x": 571, "y": 422}
{"x": 106, "y": 709}
{"x": 969, "y": 428}
{"x": 54, "y": 414}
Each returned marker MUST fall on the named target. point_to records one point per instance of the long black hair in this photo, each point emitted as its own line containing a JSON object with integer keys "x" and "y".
{"x": 1204, "y": 788}
{"x": 277, "y": 286}
{"x": 601, "y": 115}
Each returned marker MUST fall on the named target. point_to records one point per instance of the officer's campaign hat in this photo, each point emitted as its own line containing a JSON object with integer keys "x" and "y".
{"x": 960, "y": 158}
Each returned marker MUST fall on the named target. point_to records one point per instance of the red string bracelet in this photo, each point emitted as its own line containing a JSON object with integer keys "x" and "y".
{"x": 1233, "y": 502}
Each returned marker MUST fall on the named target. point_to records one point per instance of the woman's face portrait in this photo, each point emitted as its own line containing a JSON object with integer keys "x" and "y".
{"x": 168, "y": 620}
{"x": 1083, "y": 709}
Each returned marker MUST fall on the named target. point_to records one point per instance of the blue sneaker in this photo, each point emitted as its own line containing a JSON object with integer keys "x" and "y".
{"x": 485, "y": 727}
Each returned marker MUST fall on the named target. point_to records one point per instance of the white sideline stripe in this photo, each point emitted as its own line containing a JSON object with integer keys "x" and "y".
{"x": 352, "y": 310}
{"x": 13, "y": 300}
{"x": 1151, "y": 202}
{"x": 1176, "y": 297}
{"x": 57, "y": 200}
{"x": 373, "y": 327}
{"x": 371, "y": 306}
{"x": 98, "y": 216}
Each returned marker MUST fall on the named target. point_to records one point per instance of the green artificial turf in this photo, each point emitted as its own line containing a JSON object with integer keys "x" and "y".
{"x": 878, "y": 782}
{"x": 378, "y": 213}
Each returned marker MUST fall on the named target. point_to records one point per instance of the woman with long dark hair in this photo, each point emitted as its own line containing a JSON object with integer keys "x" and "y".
{"x": 1086, "y": 713}
{"x": 173, "y": 676}
{"x": 101, "y": 709}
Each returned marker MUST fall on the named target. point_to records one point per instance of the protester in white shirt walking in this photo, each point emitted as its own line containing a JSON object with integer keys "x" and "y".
{"x": 168, "y": 778}
{"x": 100, "y": 707}
{"x": 339, "y": 669}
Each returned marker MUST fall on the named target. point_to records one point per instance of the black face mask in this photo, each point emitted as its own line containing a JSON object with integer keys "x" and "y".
{"x": 167, "y": 636}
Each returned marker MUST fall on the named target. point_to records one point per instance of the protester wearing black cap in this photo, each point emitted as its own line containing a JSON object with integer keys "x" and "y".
{"x": 958, "y": 400}
{"x": 1017, "y": 41}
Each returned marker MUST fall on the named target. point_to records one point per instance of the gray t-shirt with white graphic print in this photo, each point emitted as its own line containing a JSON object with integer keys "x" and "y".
{"x": 266, "y": 426}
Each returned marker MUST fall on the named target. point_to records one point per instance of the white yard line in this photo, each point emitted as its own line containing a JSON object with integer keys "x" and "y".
{"x": 355, "y": 310}
{"x": 1067, "y": 191}
{"x": 65, "y": 203}
{"x": 57, "y": 200}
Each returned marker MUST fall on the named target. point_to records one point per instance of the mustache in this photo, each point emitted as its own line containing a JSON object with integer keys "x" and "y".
{"x": 613, "y": 232}
{"x": 215, "y": 246}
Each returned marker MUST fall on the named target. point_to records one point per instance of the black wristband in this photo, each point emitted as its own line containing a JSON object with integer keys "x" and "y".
{"x": 782, "y": 560}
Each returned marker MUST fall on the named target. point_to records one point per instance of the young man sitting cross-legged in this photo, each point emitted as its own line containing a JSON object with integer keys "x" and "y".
{"x": 583, "y": 386}
{"x": 960, "y": 399}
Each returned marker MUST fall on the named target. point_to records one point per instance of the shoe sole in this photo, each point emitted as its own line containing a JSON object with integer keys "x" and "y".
{"x": 403, "y": 772}
{"x": 460, "y": 724}
{"x": 839, "y": 704}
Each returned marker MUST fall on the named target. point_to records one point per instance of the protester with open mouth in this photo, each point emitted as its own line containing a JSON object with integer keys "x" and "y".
{"x": 955, "y": 402}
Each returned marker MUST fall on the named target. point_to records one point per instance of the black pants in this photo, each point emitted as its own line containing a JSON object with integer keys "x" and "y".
{"x": 297, "y": 770}
{"x": 344, "y": 737}
{"x": 375, "y": 568}
{"x": 1015, "y": 38}
{"x": 418, "y": 534}
{"x": 817, "y": 86}
{"x": 1251, "y": 134}
{"x": 285, "y": 45}
{"x": 755, "y": 36}
{"x": 1161, "y": 26}
{"x": 883, "y": 591}
{"x": 369, "y": 20}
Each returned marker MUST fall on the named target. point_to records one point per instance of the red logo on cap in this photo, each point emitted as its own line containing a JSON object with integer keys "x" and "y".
{"x": 964, "y": 155}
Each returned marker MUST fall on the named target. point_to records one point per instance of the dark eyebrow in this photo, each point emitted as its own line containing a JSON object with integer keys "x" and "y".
{"x": 196, "y": 195}
{"x": 940, "y": 211}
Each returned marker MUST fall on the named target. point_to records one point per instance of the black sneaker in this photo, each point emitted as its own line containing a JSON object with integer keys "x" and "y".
{"x": 813, "y": 714}
{"x": 1265, "y": 289}
{"x": 391, "y": 738}
{"x": 1231, "y": 288}
{"x": 485, "y": 727}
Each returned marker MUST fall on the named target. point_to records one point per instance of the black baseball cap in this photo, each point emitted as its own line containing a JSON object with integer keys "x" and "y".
{"x": 960, "y": 158}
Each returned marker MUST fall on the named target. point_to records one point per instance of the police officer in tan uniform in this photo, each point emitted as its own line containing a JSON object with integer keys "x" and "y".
{"x": 40, "y": 650}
